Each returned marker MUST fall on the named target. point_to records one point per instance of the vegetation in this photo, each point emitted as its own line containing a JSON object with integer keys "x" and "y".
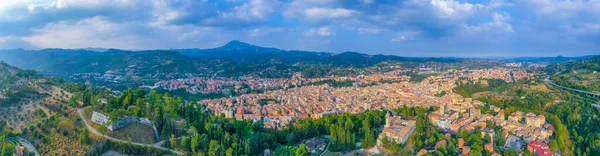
{"x": 440, "y": 94}
{"x": 470, "y": 88}
{"x": 416, "y": 77}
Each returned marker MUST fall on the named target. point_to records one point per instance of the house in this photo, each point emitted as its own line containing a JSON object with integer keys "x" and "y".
{"x": 466, "y": 150}
{"x": 487, "y": 131}
{"x": 440, "y": 143}
{"x": 444, "y": 123}
{"x": 514, "y": 142}
{"x": 535, "y": 120}
{"x": 515, "y": 116}
{"x": 433, "y": 117}
{"x": 19, "y": 151}
{"x": 396, "y": 129}
{"x": 489, "y": 147}
{"x": 539, "y": 148}
{"x": 422, "y": 152}
{"x": 315, "y": 144}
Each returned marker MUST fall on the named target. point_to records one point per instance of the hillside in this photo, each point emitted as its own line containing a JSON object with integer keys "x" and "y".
{"x": 582, "y": 74}
{"x": 65, "y": 62}
{"x": 130, "y": 68}
{"x": 243, "y": 52}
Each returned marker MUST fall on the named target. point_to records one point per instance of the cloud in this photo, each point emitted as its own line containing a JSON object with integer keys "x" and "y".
{"x": 399, "y": 39}
{"x": 406, "y": 36}
{"x": 499, "y": 24}
{"x": 368, "y": 30}
{"x": 328, "y": 13}
{"x": 322, "y": 31}
{"x": 427, "y": 24}
{"x": 264, "y": 31}
{"x": 561, "y": 20}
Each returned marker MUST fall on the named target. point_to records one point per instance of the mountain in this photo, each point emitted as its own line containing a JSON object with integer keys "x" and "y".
{"x": 244, "y": 52}
{"x": 238, "y": 51}
{"x": 547, "y": 59}
{"x": 64, "y": 62}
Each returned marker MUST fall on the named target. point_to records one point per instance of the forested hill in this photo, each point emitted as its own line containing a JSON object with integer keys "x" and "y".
{"x": 15, "y": 85}
{"x": 581, "y": 74}
{"x": 244, "y": 52}
{"x": 556, "y": 59}
{"x": 592, "y": 63}
{"x": 66, "y": 61}
{"x": 233, "y": 59}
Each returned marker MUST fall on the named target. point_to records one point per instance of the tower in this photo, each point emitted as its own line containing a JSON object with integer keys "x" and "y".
{"x": 387, "y": 119}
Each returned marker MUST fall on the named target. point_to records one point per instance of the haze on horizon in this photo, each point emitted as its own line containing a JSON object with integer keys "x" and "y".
{"x": 460, "y": 28}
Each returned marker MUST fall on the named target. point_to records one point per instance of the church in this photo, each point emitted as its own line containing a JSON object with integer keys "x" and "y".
{"x": 396, "y": 129}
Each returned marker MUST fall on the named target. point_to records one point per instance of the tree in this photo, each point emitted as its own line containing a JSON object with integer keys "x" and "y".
{"x": 302, "y": 150}
{"x": 511, "y": 152}
{"x": 286, "y": 150}
{"x": 442, "y": 150}
{"x": 553, "y": 146}
{"x": 369, "y": 140}
{"x": 487, "y": 138}
{"x": 127, "y": 100}
{"x": 195, "y": 143}
{"x": 229, "y": 152}
{"x": 173, "y": 141}
{"x": 8, "y": 150}
{"x": 185, "y": 143}
{"x": 214, "y": 148}
{"x": 84, "y": 136}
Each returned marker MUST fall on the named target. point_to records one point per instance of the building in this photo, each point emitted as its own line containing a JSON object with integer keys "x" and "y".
{"x": 514, "y": 142}
{"x": 440, "y": 144}
{"x": 535, "y": 120}
{"x": 444, "y": 123}
{"x": 433, "y": 117}
{"x": 515, "y": 116}
{"x": 19, "y": 151}
{"x": 422, "y": 152}
{"x": 114, "y": 124}
{"x": 489, "y": 147}
{"x": 488, "y": 131}
{"x": 396, "y": 129}
{"x": 539, "y": 148}
{"x": 315, "y": 144}
{"x": 466, "y": 150}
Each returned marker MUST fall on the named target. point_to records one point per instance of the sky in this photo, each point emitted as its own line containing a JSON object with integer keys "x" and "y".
{"x": 460, "y": 28}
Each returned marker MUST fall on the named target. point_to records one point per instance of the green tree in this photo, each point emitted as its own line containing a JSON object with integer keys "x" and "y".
{"x": 369, "y": 139}
{"x": 285, "y": 150}
{"x": 195, "y": 143}
{"x": 185, "y": 143}
{"x": 127, "y": 100}
{"x": 511, "y": 152}
{"x": 229, "y": 152}
{"x": 553, "y": 146}
{"x": 8, "y": 150}
{"x": 302, "y": 150}
{"x": 84, "y": 136}
{"x": 173, "y": 141}
{"x": 214, "y": 148}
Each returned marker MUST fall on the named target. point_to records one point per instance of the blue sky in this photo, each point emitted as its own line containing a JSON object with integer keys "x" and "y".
{"x": 463, "y": 28}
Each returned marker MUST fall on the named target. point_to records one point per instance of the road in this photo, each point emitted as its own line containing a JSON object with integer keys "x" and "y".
{"x": 326, "y": 148}
{"x": 91, "y": 129}
{"x": 28, "y": 145}
{"x": 572, "y": 89}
